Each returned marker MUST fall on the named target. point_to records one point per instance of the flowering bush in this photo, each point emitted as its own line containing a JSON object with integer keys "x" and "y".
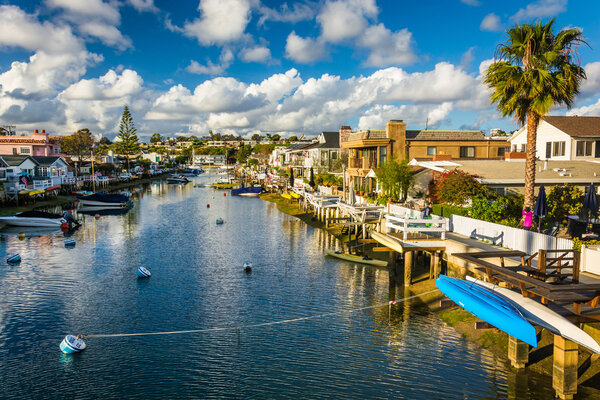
{"x": 457, "y": 187}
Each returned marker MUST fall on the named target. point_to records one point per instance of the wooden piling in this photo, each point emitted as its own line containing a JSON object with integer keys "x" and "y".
{"x": 564, "y": 371}
{"x": 518, "y": 352}
{"x": 408, "y": 261}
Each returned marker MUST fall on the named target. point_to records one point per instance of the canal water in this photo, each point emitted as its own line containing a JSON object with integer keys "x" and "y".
{"x": 350, "y": 347}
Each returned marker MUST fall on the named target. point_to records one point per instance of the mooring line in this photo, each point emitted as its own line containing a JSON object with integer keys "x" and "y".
{"x": 231, "y": 328}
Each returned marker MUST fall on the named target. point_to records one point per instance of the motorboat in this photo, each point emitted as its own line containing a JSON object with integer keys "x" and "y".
{"x": 252, "y": 191}
{"x": 220, "y": 221}
{"x": 34, "y": 219}
{"x": 177, "y": 179}
{"x": 102, "y": 210}
{"x": 143, "y": 272}
{"x": 30, "y": 231}
{"x": 192, "y": 172}
{"x": 105, "y": 200}
{"x": 72, "y": 344}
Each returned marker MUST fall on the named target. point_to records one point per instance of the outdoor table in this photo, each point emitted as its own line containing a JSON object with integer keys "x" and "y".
{"x": 578, "y": 226}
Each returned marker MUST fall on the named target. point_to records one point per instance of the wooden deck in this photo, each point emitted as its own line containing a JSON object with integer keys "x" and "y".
{"x": 564, "y": 291}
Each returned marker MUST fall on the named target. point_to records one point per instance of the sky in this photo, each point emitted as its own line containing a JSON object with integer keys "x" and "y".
{"x": 250, "y": 66}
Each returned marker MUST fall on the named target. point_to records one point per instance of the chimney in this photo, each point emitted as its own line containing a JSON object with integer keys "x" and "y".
{"x": 345, "y": 132}
{"x": 36, "y": 131}
{"x": 43, "y": 131}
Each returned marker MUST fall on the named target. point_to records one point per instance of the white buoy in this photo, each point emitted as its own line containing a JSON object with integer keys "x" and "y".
{"x": 143, "y": 272}
{"x": 72, "y": 344}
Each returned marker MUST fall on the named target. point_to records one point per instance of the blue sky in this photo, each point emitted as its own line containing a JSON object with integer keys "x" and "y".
{"x": 252, "y": 66}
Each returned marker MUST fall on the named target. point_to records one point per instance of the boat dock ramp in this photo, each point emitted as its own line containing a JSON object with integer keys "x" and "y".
{"x": 551, "y": 276}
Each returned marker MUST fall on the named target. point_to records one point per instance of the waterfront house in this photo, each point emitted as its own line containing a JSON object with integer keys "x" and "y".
{"x": 19, "y": 164}
{"x": 38, "y": 144}
{"x": 370, "y": 149}
{"x": 209, "y": 159}
{"x": 51, "y": 171}
{"x": 321, "y": 154}
{"x": 562, "y": 138}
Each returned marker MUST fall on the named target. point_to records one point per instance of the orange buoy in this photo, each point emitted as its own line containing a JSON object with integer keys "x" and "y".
{"x": 208, "y": 206}
{"x": 224, "y": 194}
{"x": 97, "y": 216}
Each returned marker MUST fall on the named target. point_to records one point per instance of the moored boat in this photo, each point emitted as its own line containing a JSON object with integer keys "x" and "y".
{"x": 356, "y": 259}
{"x": 105, "y": 200}
{"x": 220, "y": 221}
{"x": 177, "y": 179}
{"x": 13, "y": 259}
{"x": 34, "y": 219}
{"x": 72, "y": 344}
{"x": 488, "y": 306}
{"x": 70, "y": 242}
{"x": 252, "y": 191}
{"x": 143, "y": 272}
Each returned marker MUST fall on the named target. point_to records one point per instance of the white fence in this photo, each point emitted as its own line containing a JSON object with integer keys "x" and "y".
{"x": 506, "y": 236}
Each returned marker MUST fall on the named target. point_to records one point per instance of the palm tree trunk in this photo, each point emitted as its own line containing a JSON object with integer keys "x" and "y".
{"x": 533, "y": 120}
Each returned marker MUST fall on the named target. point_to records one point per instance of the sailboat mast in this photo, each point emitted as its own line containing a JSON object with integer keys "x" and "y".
{"x": 93, "y": 174}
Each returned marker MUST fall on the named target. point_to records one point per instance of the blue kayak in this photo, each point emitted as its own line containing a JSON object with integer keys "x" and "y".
{"x": 489, "y": 306}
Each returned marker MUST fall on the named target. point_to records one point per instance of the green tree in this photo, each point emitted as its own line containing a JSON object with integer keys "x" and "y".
{"x": 156, "y": 137}
{"x": 535, "y": 70}
{"x": 293, "y": 138}
{"x": 78, "y": 144}
{"x": 256, "y": 137}
{"x": 457, "y": 187}
{"x": 395, "y": 179}
{"x": 276, "y": 137}
{"x": 563, "y": 200}
{"x": 243, "y": 153}
{"x": 128, "y": 144}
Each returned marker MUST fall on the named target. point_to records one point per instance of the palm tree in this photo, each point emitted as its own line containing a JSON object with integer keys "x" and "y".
{"x": 534, "y": 71}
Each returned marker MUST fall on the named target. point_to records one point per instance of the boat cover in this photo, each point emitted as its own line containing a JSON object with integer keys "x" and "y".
{"x": 243, "y": 190}
{"x": 37, "y": 214}
{"x": 105, "y": 198}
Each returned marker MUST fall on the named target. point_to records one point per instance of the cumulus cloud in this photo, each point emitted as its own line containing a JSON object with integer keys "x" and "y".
{"x": 541, "y": 9}
{"x": 591, "y": 85}
{"x": 298, "y": 12}
{"x": 221, "y": 21}
{"x": 225, "y": 60}
{"x": 304, "y": 50}
{"x": 387, "y": 48}
{"x": 259, "y": 54}
{"x": 109, "y": 86}
{"x": 143, "y": 5}
{"x": 345, "y": 19}
{"x": 471, "y": 2}
{"x": 491, "y": 22}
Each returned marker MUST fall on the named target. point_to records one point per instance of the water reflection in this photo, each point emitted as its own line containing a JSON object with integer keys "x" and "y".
{"x": 198, "y": 282}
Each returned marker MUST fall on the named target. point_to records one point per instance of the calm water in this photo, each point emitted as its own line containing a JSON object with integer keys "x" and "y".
{"x": 198, "y": 283}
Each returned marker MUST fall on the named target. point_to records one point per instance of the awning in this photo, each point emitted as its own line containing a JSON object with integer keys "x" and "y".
{"x": 371, "y": 174}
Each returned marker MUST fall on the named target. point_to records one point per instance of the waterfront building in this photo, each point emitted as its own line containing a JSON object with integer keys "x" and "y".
{"x": 209, "y": 159}
{"x": 321, "y": 154}
{"x": 370, "y": 149}
{"x": 38, "y": 144}
{"x": 562, "y": 138}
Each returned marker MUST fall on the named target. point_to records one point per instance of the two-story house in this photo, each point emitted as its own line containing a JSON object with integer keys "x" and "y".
{"x": 38, "y": 144}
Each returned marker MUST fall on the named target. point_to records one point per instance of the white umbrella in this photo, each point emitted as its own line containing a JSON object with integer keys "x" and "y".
{"x": 351, "y": 196}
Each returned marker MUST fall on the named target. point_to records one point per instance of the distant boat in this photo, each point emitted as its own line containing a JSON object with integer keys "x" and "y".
{"x": 36, "y": 219}
{"x": 252, "y": 191}
{"x": 70, "y": 242}
{"x": 356, "y": 259}
{"x": 177, "y": 179}
{"x": 143, "y": 272}
{"x": 488, "y": 306}
{"x": 103, "y": 199}
{"x": 15, "y": 258}
{"x": 72, "y": 344}
{"x": 220, "y": 221}
{"x": 104, "y": 210}
{"x": 192, "y": 172}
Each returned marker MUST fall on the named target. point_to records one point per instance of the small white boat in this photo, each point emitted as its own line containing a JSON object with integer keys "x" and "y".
{"x": 143, "y": 272}
{"x": 104, "y": 200}
{"x": 34, "y": 219}
{"x": 541, "y": 315}
{"x": 177, "y": 179}
{"x": 72, "y": 344}
{"x": 15, "y": 258}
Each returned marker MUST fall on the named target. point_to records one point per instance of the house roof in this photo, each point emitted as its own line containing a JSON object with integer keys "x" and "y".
{"x": 46, "y": 161}
{"x": 445, "y": 135}
{"x": 576, "y": 126}
{"x": 16, "y": 160}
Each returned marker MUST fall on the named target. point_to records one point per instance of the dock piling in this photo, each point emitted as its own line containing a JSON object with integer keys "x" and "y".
{"x": 518, "y": 352}
{"x": 408, "y": 261}
{"x": 564, "y": 370}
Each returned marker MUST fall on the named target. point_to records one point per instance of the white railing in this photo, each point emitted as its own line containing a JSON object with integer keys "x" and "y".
{"x": 506, "y": 236}
{"x": 408, "y": 224}
{"x": 41, "y": 184}
{"x": 590, "y": 259}
{"x": 326, "y": 190}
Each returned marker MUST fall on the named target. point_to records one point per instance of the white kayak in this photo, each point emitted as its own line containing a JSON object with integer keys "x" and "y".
{"x": 541, "y": 315}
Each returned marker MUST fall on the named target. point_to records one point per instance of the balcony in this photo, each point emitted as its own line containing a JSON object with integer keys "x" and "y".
{"x": 362, "y": 163}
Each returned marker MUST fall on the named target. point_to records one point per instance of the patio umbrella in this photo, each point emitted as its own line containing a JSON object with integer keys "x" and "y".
{"x": 312, "y": 178}
{"x": 590, "y": 202}
{"x": 541, "y": 207}
{"x": 351, "y": 196}
{"x": 292, "y": 177}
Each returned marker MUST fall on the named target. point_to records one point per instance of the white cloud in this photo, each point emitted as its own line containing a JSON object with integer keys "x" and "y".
{"x": 304, "y": 50}
{"x": 387, "y": 48}
{"x": 345, "y": 19}
{"x": 471, "y": 2}
{"x": 107, "y": 34}
{"x": 592, "y": 110}
{"x": 298, "y": 12}
{"x": 143, "y": 5}
{"x": 90, "y": 8}
{"x": 467, "y": 58}
{"x": 491, "y": 22}
{"x": 259, "y": 54}
{"x": 432, "y": 115}
{"x": 221, "y": 21}
{"x": 541, "y": 9}
{"x": 591, "y": 85}
{"x": 109, "y": 86}
{"x": 225, "y": 60}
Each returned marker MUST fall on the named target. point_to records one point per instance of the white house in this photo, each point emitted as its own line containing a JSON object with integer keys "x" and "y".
{"x": 209, "y": 159}
{"x": 320, "y": 154}
{"x": 563, "y": 138}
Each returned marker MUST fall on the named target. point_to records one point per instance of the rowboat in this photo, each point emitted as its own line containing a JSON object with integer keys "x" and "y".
{"x": 143, "y": 272}
{"x": 488, "y": 306}
{"x": 72, "y": 344}
{"x": 355, "y": 259}
{"x": 538, "y": 314}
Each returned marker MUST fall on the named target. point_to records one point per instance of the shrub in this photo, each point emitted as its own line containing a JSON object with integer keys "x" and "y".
{"x": 563, "y": 200}
{"x": 457, "y": 187}
{"x": 445, "y": 210}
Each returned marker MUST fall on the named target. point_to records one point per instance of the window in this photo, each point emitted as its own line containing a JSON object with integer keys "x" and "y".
{"x": 558, "y": 149}
{"x": 467, "y": 152}
{"x": 502, "y": 151}
{"x": 56, "y": 150}
{"x": 382, "y": 155}
{"x": 15, "y": 151}
{"x": 24, "y": 150}
{"x": 548, "y": 149}
{"x": 431, "y": 150}
{"x": 43, "y": 171}
{"x": 334, "y": 155}
{"x": 584, "y": 148}
{"x": 523, "y": 148}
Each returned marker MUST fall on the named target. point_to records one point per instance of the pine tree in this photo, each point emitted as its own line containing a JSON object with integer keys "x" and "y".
{"x": 129, "y": 143}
